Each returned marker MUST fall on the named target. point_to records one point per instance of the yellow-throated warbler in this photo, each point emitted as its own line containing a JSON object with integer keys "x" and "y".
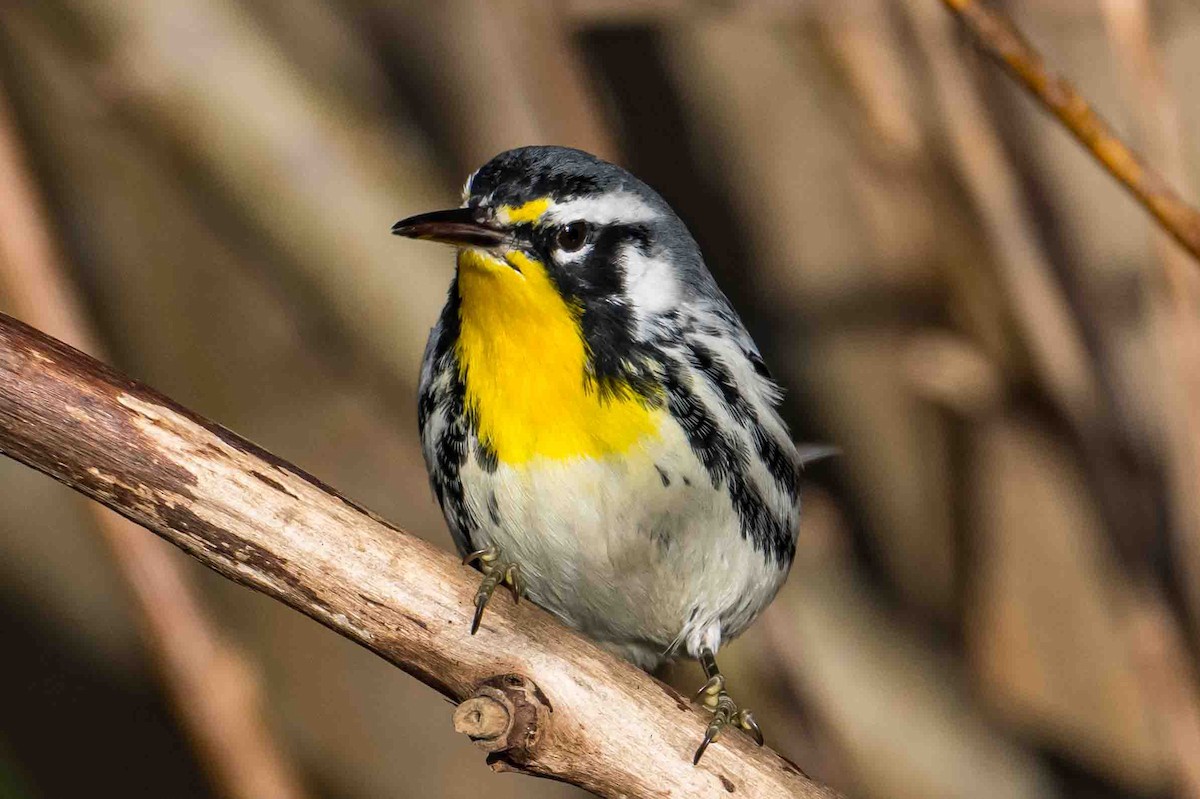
{"x": 599, "y": 427}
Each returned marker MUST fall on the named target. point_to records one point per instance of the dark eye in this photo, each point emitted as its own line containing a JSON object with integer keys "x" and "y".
{"x": 572, "y": 236}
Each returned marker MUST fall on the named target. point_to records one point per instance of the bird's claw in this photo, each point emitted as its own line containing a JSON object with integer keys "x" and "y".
{"x": 725, "y": 714}
{"x": 496, "y": 572}
{"x": 711, "y": 690}
{"x": 488, "y": 553}
{"x": 745, "y": 720}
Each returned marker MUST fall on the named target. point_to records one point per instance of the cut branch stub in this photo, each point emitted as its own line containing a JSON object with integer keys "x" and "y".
{"x": 508, "y": 713}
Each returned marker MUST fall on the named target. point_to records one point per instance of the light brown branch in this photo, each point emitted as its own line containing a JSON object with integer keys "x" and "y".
{"x": 1001, "y": 39}
{"x": 210, "y": 684}
{"x": 261, "y": 522}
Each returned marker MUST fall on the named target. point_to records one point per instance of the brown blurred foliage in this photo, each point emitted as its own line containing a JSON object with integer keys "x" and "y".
{"x": 998, "y": 585}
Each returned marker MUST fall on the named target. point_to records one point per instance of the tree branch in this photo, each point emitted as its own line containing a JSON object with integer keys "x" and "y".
{"x": 1001, "y": 39}
{"x": 587, "y": 718}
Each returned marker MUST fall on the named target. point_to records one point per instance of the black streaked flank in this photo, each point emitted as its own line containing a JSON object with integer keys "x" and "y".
{"x": 708, "y": 364}
{"x": 450, "y": 452}
{"x": 779, "y": 463}
{"x": 760, "y": 366}
{"x": 727, "y": 462}
{"x": 446, "y": 455}
{"x": 493, "y": 509}
{"x": 719, "y": 453}
{"x": 781, "y": 467}
{"x": 426, "y": 405}
{"x": 485, "y": 456}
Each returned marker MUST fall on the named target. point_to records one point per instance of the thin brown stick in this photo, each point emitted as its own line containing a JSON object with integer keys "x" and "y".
{"x": 261, "y": 522}
{"x": 1000, "y": 38}
{"x": 210, "y": 684}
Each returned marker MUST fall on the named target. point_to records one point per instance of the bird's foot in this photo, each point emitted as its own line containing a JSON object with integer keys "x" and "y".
{"x": 726, "y": 714}
{"x": 497, "y": 570}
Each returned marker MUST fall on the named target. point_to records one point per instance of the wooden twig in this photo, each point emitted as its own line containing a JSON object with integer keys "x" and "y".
{"x": 1000, "y": 38}
{"x": 212, "y": 687}
{"x": 601, "y": 724}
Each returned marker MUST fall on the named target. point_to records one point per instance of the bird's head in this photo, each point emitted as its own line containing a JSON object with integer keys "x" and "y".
{"x": 548, "y": 231}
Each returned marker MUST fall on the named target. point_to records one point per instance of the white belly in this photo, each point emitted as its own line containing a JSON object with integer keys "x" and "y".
{"x": 639, "y": 551}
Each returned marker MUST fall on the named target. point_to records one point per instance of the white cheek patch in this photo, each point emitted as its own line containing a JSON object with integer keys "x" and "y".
{"x": 608, "y": 209}
{"x": 650, "y": 283}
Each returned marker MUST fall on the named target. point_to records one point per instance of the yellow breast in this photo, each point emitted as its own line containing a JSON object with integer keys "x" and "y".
{"x": 522, "y": 357}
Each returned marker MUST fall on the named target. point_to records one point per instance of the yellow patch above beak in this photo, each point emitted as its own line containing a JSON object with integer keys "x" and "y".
{"x": 528, "y": 212}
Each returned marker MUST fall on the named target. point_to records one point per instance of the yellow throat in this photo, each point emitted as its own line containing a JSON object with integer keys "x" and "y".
{"x": 522, "y": 355}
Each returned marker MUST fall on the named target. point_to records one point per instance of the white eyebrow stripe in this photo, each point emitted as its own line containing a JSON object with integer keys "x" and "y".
{"x": 606, "y": 209}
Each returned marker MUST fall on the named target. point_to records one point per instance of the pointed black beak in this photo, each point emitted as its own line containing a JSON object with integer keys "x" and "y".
{"x": 458, "y": 226}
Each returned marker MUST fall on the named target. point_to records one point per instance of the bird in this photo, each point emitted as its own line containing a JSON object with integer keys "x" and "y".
{"x": 599, "y": 428}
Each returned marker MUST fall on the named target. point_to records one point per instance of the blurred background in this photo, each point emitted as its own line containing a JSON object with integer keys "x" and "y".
{"x": 997, "y": 590}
